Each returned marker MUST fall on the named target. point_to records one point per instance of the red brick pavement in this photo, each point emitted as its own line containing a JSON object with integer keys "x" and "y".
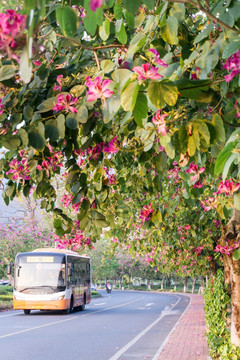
{"x": 187, "y": 341}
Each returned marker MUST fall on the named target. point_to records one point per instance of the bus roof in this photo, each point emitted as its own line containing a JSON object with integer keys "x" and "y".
{"x": 59, "y": 251}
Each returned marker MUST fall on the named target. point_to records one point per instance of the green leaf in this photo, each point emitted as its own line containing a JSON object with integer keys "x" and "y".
{"x": 71, "y": 122}
{"x": 129, "y": 19}
{"x": 219, "y": 126}
{"x": 92, "y": 18}
{"x": 61, "y": 125}
{"x": 25, "y": 66}
{"x": 82, "y": 114}
{"x": 140, "y": 110}
{"x": 132, "y": 6}
{"x": 121, "y": 34}
{"x": 162, "y": 92}
{"x": 223, "y": 157}
{"x": 23, "y": 136}
{"x": 67, "y": 19}
{"x": 202, "y": 35}
{"x": 101, "y": 223}
{"x": 129, "y": 96}
{"x": 118, "y": 11}
{"x": 157, "y": 218}
{"x": 47, "y": 105}
{"x": 12, "y": 143}
{"x": 149, "y": 4}
{"x": 51, "y": 130}
{"x": 7, "y": 72}
{"x": 97, "y": 215}
{"x": 178, "y": 11}
{"x": 169, "y": 31}
{"x": 104, "y": 30}
{"x": 192, "y": 89}
{"x": 183, "y": 138}
{"x": 228, "y": 165}
{"x": 57, "y": 223}
{"x": 36, "y": 140}
{"x": 236, "y": 254}
{"x": 107, "y": 66}
{"x": 232, "y": 48}
{"x": 191, "y": 146}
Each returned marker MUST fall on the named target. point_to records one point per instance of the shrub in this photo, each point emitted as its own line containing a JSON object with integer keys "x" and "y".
{"x": 217, "y": 311}
{"x": 7, "y": 297}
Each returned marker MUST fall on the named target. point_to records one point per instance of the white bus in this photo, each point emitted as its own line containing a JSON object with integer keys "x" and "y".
{"x": 51, "y": 279}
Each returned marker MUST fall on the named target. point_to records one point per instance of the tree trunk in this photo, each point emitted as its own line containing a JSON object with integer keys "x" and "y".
{"x": 194, "y": 283}
{"x": 162, "y": 282}
{"x": 201, "y": 286}
{"x": 185, "y": 288}
{"x": 235, "y": 296}
{"x": 175, "y": 283}
{"x": 232, "y": 270}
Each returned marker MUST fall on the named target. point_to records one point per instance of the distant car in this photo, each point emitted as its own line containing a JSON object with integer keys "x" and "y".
{"x": 93, "y": 287}
{"x": 4, "y": 282}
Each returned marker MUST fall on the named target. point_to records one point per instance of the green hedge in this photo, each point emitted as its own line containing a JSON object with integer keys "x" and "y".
{"x": 4, "y": 290}
{"x": 217, "y": 312}
{"x": 7, "y": 297}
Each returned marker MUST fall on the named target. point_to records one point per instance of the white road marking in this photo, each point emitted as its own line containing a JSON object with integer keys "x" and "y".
{"x": 14, "y": 314}
{"x": 136, "y": 338}
{"x": 99, "y": 303}
{"x": 156, "y": 356}
{"x": 68, "y": 319}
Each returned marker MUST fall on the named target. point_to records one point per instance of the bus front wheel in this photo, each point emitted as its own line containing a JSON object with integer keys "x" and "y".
{"x": 27, "y": 312}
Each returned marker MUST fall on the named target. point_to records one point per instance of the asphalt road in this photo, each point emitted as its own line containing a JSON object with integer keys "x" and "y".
{"x": 121, "y": 325}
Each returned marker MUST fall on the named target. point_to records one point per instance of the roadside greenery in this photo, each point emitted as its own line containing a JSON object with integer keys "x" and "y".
{"x": 135, "y": 106}
{"x": 218, "y": 312}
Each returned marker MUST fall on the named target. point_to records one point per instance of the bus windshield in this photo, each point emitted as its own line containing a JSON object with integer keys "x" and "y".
{"x": 40, "y": 275}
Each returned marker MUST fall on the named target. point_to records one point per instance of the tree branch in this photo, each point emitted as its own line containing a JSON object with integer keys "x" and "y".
{"x": 92, "y": 48}
{"x": 206, "y": 12}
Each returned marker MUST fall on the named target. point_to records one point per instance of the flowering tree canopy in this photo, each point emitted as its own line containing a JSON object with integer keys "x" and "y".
{"x": 123, "y": 98}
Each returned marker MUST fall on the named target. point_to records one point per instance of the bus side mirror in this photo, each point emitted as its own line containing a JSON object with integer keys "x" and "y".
{"x": 9, "y": 269}
{"x": 69, "y": 271}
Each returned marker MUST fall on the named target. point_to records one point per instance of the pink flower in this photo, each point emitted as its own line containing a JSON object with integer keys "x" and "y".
{"x": 146, "y": 212}
{"x": 11, "y": 25}
{"x": 232, "y": 64}
{"x": 159, "y": 121}
{"x": 157, "y": 59}
{"x": 94, "y": 4}
{"x": 112, "y": 147}
{"x": 144, "y": 72}
{"x": 98, "y": 89}
{"x": 1, "y": 107}
{"x": 19, "y": 169}
{"x": 193, "y": 169}
{"x": 59, "y": 81}
{"x": 64, "y": 102}
{"x": 227, "y": 187}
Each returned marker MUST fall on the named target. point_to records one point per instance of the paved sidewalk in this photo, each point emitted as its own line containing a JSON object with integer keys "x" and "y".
{"x": 187, "y": 341}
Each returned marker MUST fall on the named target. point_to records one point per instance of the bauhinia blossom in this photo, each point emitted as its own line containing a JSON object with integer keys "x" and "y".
{"x": 95, "y": 4}
{"x": 98, "y": 88}
{"x": 145, "y": 73}
{"x": 227, "y": 187}
{"x": 146, "y": 212}
{"x": 112, "y": 147}
{"x": 11, "y": 27}
{"x": 232, "y": 64}
{"x": 157, "y": 59}
{"x": 59, "y": 81}
{"x": 65, "y": 102}
{"x": 19, "y": 169}
{"x": 193, "y": 169}
{"x": 159, "y": 121}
